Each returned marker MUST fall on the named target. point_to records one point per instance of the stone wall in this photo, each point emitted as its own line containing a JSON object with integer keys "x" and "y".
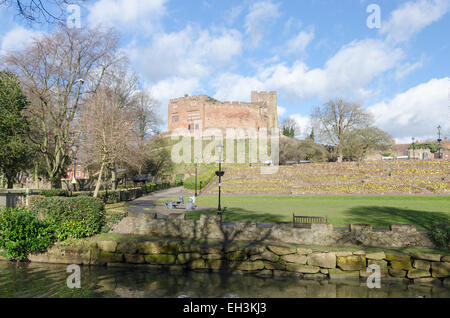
{"x": 210, "y": 227}
{"x": 268, "y": 260}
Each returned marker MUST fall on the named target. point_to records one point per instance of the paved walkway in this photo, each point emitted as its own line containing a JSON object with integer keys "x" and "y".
{"x": 148, "y": 204}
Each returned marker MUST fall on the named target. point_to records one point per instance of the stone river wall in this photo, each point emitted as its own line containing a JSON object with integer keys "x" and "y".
{"x": 265, "y": 260}
{"x": 210, "y": 227}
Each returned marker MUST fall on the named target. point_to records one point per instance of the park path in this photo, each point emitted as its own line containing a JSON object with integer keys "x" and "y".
{"x": 148, "y": 203}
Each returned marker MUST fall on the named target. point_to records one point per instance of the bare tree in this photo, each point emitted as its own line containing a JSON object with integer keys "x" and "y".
{"x": 360, "y": 141}
{"x": 146, "y": 108}
{"x": 36, "y": 11}
{"x": 59, "y": 71}
{"x": 335, "y": 120}
{"x": 109, "y": 132}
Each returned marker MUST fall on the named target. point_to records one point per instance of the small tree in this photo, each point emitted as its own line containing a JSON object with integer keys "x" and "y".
{"x": 14, "y": 148}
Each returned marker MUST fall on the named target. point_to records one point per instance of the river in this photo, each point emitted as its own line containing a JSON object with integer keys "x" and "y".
{"x": 47, "y": 280}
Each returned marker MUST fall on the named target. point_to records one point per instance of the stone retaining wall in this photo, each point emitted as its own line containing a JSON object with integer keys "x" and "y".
{"x": 210, "y": 227}
{"x": 267, "y": 260}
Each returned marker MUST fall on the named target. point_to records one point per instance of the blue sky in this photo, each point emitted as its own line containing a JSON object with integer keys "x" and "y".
{"x": 308, "y": 51}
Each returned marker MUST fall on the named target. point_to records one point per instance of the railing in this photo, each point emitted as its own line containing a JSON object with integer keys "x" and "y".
{"x": 308, "y": 220}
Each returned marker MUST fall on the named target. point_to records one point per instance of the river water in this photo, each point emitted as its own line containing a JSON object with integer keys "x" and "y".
{"x": 47, "y": 280}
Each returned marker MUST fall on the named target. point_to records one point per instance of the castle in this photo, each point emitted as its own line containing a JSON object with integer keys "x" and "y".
{"x": 197, "y": 113}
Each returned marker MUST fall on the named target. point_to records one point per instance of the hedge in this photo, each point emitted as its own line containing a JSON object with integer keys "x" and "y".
{"x": 76, "y": 217}
{"x": 203, "y": 179}
{"x": 21, "y": 232}
{"x": 55, "y": 193}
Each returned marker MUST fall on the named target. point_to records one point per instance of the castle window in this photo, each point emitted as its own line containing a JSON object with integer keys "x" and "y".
{"x": 196, "y": 126}
{"x": 174, "y": 118}
{"x": 193, "y": 116}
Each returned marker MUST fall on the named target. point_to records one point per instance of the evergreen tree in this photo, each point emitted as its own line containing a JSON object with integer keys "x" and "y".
{"x": 311, "y": 136}
{"x": 14, "y": 128}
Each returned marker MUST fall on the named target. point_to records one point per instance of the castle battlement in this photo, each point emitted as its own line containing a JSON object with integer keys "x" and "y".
{"x": 202, "y": 111}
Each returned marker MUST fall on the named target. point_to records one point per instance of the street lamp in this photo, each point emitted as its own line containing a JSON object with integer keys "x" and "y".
{"x": 439, "y": 141}
{"x": 74, "y": 180}
{"x": 414, "y": 147}
{"x": 195, "y": 164}
{"x": 220, "y": 174}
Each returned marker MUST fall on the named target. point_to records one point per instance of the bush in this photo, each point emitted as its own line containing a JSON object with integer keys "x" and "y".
{"x": 440, "y": 235}
{"x": 150, "y": 187}
{"x": 76, "y": 217}
{"x": 55, "y": 193}
{"x": 178, "y": 180}
{"x": 21, "y": 232}
{"x": 203, "y": 179}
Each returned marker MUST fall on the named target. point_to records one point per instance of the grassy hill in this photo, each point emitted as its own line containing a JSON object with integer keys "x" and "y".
{"x": 374, "y": 178}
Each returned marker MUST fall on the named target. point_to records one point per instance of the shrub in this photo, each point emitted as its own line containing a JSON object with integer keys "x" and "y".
{"x": 21, "y": 232}
{"x": 76, "y": 217}
{"x": 110, "y": 196}
{"x": 150, "y": 187}
{"x": 202, "y": 180}
{"x": 55, "y": 193}
{"x": 440, "y": 235}
{"x": 179, "y": 180}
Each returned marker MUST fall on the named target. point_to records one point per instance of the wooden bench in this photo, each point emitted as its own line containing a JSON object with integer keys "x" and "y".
{"x": 308, "y": 220}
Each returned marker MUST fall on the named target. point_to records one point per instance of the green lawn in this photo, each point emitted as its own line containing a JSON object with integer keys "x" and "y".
{"x": 381, "y": 211}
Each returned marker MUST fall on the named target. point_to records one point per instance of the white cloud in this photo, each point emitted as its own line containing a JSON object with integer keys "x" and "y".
{"x": 126, "y": 13}
{"x": 416, "y": 112}
{"x": 281, "y": 110}
{"x": 235, "y": 87}
{"x": 346, "y": 74}
{"x": 165, "y": 90}
{"x": 233, "y": 14}
{"x": 299, "y": 42}
{"x": 410, "y": 18}
{"x": 187, "y": 53}
{"x": 407, "y": 68}
{"x": 304, "y": 125}
{"x": 18, "y": 39}
{"x": 258, "y": 19}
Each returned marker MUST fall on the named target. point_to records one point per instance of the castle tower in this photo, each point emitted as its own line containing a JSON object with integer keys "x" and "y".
{"x": 269, "y": 99}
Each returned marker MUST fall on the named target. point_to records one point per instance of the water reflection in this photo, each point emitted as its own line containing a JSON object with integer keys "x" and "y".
{"x": 46, "y": 280}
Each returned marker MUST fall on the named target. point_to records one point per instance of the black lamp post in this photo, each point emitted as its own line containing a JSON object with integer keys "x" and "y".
{"x": 414, "y": 147}
{"x": 220, "y": 174}
{"x": 74, "y": 180}
{"x": 195, "y": 164}
{"x": 439, "y": 141}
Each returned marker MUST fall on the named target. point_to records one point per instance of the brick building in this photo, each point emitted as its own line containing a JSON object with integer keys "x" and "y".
{"x": 202, "y": 112}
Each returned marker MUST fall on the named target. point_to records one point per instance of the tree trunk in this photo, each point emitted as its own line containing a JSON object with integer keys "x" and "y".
{"x": 36, "y": 177}
{"x": 114, "y": 178}
{"x": 56, "y": 182}
{"x": 10, "y": 183}
{"x": 99, "y": 180}
{"x": 339, "y": 154}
